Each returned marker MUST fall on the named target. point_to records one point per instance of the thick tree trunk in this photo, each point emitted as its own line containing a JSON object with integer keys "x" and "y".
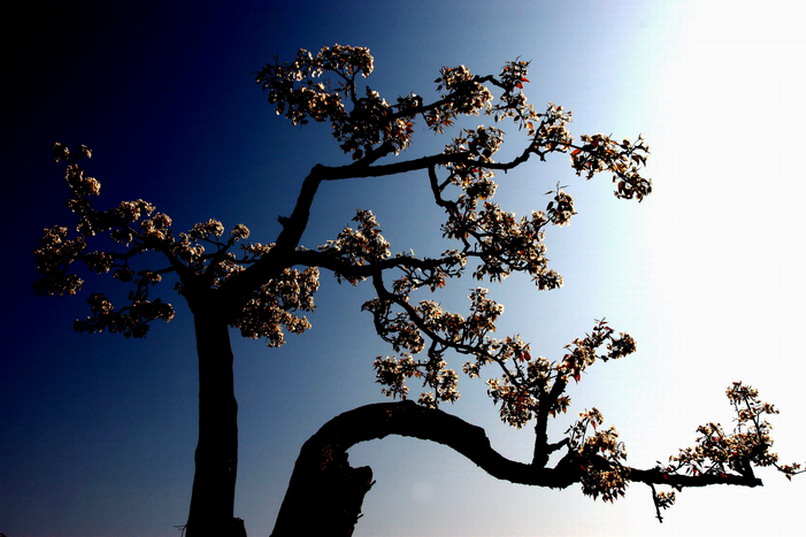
{"x": 212, "y": 501}
{"x": 324, "y": 496}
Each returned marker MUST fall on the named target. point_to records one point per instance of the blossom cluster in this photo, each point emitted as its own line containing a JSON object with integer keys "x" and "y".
{"x": 55, "y": 254}
{"x": 512, "y": 102}
{"x": 461, "y": 94}
{"x": 582, "y": 352}
{"x": 718, "y": 452}
{"x": 201, "y": 257}
{"x": 552, "y": 133}
{"x": 131, "y": 320}
{"x": 360, "y": 246}
{"x": 271, "y": 309}
{"x": 502, "y": 242}
{"x": 480, "y": 144}
{"x": 600, "y": 455}
{"x": 601, "y": 153}
{"x": 405, "y": 331}
{"x": 532, "y": 385}
{"x": 370, "y": 120}
{"x": 392, "y": 372}
{"x": 518, "y": 404}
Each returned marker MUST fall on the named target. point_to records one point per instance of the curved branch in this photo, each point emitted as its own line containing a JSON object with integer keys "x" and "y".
{"x": 270, "y": 265}
{"x": 294, "y": 226}
{"x": 402, "y": 302}
{"x": 325, "y": 493}
{"x": 407, "y": 418}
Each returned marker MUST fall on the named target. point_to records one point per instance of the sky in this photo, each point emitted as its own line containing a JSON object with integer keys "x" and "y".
{"x": 97, "y": 432}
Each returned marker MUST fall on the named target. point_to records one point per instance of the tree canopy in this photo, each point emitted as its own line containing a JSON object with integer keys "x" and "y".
{"x": 264, "y": 289}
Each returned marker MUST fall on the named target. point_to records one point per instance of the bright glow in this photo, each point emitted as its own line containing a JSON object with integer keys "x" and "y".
{"x": 727, "y": 226}
{"x": 727, "y": 231}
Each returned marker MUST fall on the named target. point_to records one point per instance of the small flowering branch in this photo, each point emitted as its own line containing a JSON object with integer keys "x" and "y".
{"x": 718, "y": 457}
{"x": 717, "y": 452}
{"x": 662, "y": 500}
{"x": 603, "y": 471}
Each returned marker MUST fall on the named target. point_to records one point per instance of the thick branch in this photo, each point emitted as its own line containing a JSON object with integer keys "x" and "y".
{"x": 238, "y": 287}
{"x": 359, "y": 170}
{"x": 657, "y": 476}
{"x": 312, "y": 258}
{"x": 406, "y": 418}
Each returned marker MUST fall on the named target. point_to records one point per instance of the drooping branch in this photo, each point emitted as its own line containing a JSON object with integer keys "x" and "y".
{"x": 596, "y": 461}
{"x": 322, "y": 468}
{"x": 407, "y": 418}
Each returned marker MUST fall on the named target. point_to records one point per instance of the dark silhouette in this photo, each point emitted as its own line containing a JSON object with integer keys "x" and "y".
{"x": 264, "y": 290}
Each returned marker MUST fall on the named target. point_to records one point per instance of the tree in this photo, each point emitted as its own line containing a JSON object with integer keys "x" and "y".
{"x": 264, "y": 290}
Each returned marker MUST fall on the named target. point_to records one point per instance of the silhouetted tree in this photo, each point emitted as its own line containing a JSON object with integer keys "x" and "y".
{"x": 264, "y": 289}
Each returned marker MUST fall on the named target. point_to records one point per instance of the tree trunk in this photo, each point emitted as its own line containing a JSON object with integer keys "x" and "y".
{"x": 324, "y": 496}
{"x": 212, "y": 501}
{"x": 325, "y": 493}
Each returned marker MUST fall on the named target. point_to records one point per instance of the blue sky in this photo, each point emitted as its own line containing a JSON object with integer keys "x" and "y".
{"x": 707, "y": 274}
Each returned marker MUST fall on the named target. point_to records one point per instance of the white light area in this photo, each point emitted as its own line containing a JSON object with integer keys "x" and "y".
{"x": 726, "y": 230}
{"x": 724, "y": 236}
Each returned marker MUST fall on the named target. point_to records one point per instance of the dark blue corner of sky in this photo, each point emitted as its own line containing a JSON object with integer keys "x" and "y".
{"x": 164, "y": 94}
{"x": 127, "y": 79}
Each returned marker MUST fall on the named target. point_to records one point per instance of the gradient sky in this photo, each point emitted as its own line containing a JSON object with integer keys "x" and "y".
{"x": 97, "y": 432}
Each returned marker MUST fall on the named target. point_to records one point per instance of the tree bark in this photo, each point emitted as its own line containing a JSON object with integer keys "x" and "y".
{"x": 212, "y": 501}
